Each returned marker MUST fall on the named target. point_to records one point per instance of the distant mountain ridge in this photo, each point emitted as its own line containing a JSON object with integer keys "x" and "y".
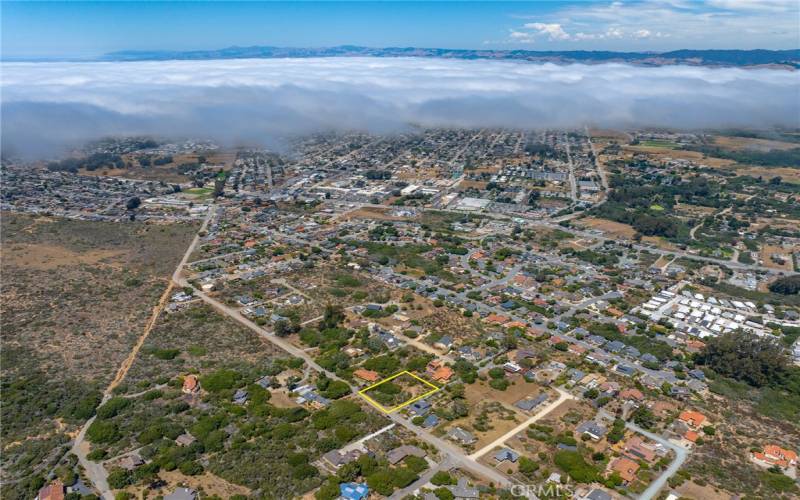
{"x": 755, "y": 57}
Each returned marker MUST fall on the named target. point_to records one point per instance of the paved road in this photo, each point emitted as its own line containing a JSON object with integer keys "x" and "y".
{"x": 600, "y": 169}
{"x": 661, "y": 251}
{"x": 95, "y": 472}
{"x": 504, "y": 280}
{"x": 271, "y": 337}
{"x": 552, "y": 224}
{"x": 573, "y": 185}
{"x": 562, "y": 396}
{"x": 666, "y": 375}
{"x": 424, "y": 479}
{"x": 459, "y": 458}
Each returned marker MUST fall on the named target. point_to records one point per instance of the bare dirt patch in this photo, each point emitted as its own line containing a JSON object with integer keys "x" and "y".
{"x": 787, "y": 174}
{"x": 47, "y": 257}
{"x": 488, "y": 421}
{"x": 282, "y": 400}
{"x": 767, "y": 251}
{"x": 740, "y": 143}
{"x": 608, "y": 226}
{"x": 664, "y": 153}
{"x": 693, "y": 490}
{"x": 481, "y": 391}
{"x": 373, "y": 213}
{"x": 207, "y": 482}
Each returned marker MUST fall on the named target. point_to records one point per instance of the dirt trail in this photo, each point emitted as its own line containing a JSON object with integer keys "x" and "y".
{"x": 126, "y": 365}
{"x": 96, "y": 473}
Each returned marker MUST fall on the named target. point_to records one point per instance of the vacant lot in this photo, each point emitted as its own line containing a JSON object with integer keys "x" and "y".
{"x": 767, "y": 251}
{"x": 519, "y": 389}
{"x": 661, "y": 153}
{"x": 487, "y": 421}
{"x": 617, "y": 229}
{"x": 740, "y": 143}
{"x": 76, "y": 296}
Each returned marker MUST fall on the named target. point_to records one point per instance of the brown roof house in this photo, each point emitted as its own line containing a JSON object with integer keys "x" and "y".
{"x": 191, "y": 385}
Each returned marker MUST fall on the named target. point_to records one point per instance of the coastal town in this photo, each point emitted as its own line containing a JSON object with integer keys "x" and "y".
{"x": 443, "y": 314}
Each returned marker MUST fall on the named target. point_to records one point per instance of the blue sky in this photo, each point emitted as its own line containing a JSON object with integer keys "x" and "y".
{"x": 86, "y": 29}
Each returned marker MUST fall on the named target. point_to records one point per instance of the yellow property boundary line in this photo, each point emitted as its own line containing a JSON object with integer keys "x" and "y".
{"x": 363, "y": 392}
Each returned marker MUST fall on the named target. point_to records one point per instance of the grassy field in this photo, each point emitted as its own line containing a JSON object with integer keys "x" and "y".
{"x": 199, "y": 192}
{"x": 657, "y": 143}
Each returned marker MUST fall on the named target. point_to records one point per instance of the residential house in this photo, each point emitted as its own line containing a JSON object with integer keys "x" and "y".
{"x": 182, "y": 494}
{"x": 131, "y": 461}
{"x": 353, "y": 491}
{"x": 184, "y": 439}
{"x": 591, "y": 380}
{"x": 353, "y": 352}
{"x": 692, "y": 418}
{"x": 308, "y": 395}
{"x": 496, "y": 319}
{"x": 445, "y": 343}
{"x": 389, "y": 340}
{"x": 506, "y": 454}
{"x": 460, "y": 435}
{"x": 774, "y": 455}
{"x": 240, "y": 397}
{"x": 575, "y": 375}
{"x": 626, "y": 370}
{"x": 401, "y": 452}
{"x": 430, "y": 421}
{"x": 529, "y": 403}
{"x": 576, "y": 349}
{"x": 191, "y": 385}
{"x": 615, "y": 346}
{"x": 439, "y": 372}
{"x": 366, "y": 375}
{"x": 336, "y": 459}
{"x": 636, "y": 449}
{"x": 679, "y": 392}
{"x": 419, "y": 408}
{"x": 469, "y": 353}
{"x": 626, "y": 468}
{"x": 697, "y": 374}
{"x": 53, "y": 491}
{"x": 648, "y": 358}
{"x": 594, "y": 430}
{"x": 631, "y": 394}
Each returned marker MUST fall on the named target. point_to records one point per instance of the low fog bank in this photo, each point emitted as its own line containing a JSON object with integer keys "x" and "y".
{"x": 52, "y": 105}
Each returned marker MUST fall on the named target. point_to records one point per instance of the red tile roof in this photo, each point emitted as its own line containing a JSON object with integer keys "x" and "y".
{"x": 368, "y": 375}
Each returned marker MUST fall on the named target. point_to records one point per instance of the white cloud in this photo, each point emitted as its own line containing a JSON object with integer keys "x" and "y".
{"x": 553, "y": 31}
{"x": 755, "y": 5}
{"x": 46, "y": 105}
{"x": 689, "y": 24}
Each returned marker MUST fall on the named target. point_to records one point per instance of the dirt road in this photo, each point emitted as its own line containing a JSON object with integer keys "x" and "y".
{"x": 562, "y": 396}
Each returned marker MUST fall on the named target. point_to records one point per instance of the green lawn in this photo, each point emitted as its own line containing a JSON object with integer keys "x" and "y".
{"x": 204, "y": 191}
{"x": 657, "y": 143}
